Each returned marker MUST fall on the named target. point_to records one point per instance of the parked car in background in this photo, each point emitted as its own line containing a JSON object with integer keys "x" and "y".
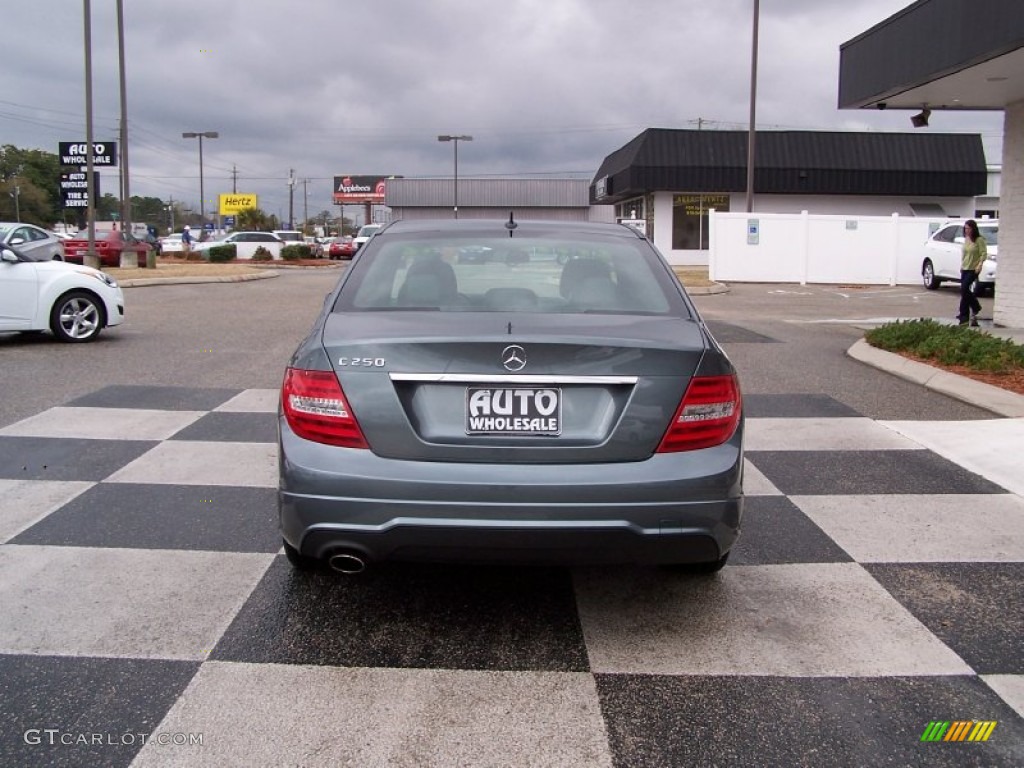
{"x": 240, "y": 237}
{"x": 31, "y": 241}
{"x": 171, "y": 243}
{"x": 547, "y": 410}
{"x": 109, "y": 245}
{"x": 316, "y": 248}
{"x": 365, "y": 233}
{"x": 342, "y": 247}
{"x": 943, "y": 251}
{"x": 74, "y": 303}
{"x": 290, "y": 236}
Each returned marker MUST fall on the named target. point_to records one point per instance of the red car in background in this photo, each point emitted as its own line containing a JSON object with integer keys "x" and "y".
{"x": 341, "y": 248}
{"x": 108, "y": 246}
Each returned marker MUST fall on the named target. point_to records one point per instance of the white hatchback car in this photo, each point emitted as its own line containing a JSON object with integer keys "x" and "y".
{"x": 942, "y": 254}
{"x": 32, "y": 241}
{"x": 72, "y": 301}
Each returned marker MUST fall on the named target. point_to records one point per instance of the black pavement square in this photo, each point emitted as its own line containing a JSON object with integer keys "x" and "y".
{"x": 155, "y": 398}
{"x": 977, "y": 609}
{"x": 726, "y": 333}
{"x": 143, "y": 516}
{"x": 807, "y": 406}
{"x": 79, "y": 700}
{"x": 51, "y": 458}
{"x": 232, "y": 428}
{"x": 775, "y": 531}
{"x": 660, "y": 721}
{"x": 816, "y": 473}
{"x": 412, "y": 616}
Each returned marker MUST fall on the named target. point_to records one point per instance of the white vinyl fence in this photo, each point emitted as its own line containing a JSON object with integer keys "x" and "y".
{"x": 805, "y": 248}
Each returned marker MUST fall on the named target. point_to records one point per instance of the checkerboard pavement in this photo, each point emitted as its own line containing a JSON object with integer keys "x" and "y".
{"x": 877, "y": 586}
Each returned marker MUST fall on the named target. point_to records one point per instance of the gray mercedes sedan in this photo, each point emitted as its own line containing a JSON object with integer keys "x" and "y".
{"x": 509, "y": 391}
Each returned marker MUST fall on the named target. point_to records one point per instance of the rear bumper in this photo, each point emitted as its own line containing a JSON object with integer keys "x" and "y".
{"x": 671, "y": 508}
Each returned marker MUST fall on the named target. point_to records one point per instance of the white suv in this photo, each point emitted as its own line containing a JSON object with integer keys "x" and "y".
{"x": 943, "y": 250}
{"x": 365, "y": 233}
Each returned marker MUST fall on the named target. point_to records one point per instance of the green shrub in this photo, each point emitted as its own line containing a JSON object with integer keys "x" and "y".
{"x": 221, "y": 253}
{"x": 262, "y": 254}
{"x": 296, "y": 252}
{"x": 949, "y": 345}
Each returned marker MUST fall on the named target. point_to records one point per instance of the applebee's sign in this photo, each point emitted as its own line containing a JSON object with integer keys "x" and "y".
{"x": 360, "y": 189}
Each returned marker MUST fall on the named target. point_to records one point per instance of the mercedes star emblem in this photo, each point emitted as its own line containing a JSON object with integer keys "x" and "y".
{"x": 513, "y": 357}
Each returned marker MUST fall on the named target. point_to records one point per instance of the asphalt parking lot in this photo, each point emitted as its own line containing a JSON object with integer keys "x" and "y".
{"x": 876, "y": 589}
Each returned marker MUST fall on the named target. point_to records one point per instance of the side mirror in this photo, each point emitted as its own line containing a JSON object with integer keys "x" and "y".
{"x": 6, "y": 254}
{"x": 17, "y": 240}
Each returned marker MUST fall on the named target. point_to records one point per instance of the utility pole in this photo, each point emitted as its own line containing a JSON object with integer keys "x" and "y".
{"x": 127, "y": 257}
{"x": 234, "y": 179}
{"x": 91, "y": 258}
{"x": 291, "y": 198}
{"x": 170, "y": 210}
{"x": 305, "y": 204}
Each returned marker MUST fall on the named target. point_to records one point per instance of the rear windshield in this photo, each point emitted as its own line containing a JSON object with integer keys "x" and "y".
{"x": 574, "y": 274}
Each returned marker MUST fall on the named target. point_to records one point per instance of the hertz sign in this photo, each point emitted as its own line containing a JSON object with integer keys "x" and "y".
{"x": 235, "y": 203}
{"x": 360, "y": 189}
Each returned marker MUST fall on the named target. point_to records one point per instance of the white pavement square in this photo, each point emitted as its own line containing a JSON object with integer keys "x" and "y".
{"x": 104, "y": 423}
{"x": 912, "y": 528}
{"x": 265, "y": 714}
{"x": 73, "y": 601}
{"x": 836, "y": 434}
{"x": 811, "y": 620}
{"x": 186, "y": 462}
{"x": 25, "y": 502}
{"x": 252, "y": 401}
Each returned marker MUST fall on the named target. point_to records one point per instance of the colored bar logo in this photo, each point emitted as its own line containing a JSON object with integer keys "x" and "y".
{"x": 959, "y": 730}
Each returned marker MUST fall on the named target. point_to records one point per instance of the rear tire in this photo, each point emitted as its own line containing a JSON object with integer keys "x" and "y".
{"x": 300, "y": 562}
{"x": 931, "y": 282}
{"x": 714, "y": 566}
{"x": 77, "y": 317}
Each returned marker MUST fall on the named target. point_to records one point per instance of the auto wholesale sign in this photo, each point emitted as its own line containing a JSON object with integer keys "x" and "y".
{"x": 360, "y": 189}
{"x": 76, "y": 153}
{"x": 235, "y": 203}
{"x": 74, "y": 189}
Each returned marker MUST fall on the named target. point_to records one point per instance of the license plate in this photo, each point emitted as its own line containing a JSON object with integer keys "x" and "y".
{"x": 513, "y": 411}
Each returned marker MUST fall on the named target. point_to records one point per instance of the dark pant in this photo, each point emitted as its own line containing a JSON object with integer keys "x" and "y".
{"x": 968, "y": 301}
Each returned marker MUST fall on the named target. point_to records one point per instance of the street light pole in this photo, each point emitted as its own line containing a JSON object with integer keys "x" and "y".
{"x": 751, "y": 132}
{"x": 202, "y": 198}
{"x": 455, "y": 186}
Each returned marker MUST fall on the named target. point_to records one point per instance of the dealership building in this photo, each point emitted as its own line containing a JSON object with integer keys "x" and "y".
{"x": 954, "y": 55}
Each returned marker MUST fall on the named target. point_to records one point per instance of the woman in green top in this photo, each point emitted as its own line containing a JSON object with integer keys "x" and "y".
{"x": 974, "y": 254}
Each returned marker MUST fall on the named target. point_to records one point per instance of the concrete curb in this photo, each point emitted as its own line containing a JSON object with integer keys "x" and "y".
{"x": 143, "y": 282}
{"x": 707, "y": 290}
{"x": 977, "y": 393}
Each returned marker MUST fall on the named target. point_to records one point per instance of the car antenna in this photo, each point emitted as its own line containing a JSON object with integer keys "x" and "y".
{"x": 510, "y": 224}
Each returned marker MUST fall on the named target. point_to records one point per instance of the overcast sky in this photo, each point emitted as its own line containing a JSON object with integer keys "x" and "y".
{"x": 331, "y": 87}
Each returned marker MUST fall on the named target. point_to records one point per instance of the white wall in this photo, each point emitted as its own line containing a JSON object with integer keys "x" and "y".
{"x": 838, "y": 205}
{"x": 1009, "y": 303}
{"x": 812, "y": 248}
{"x": 246, "y": 250}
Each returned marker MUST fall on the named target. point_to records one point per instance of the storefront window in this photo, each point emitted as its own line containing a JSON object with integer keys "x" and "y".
{"x": 631, "y": 209}
{"x": 690, "y": 220}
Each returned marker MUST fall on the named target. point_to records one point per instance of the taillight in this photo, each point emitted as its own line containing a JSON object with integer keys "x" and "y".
{"x": 316, "y": 409}
{"x": 708, "y": 415}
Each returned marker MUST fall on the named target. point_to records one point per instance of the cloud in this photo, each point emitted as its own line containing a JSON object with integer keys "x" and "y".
{"x": 326, "y": 87}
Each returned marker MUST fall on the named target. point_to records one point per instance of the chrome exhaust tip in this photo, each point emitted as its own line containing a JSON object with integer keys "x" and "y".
{"x": 347, "y": 562}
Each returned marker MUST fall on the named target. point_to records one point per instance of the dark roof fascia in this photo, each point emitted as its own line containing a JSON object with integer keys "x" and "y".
{"x": 924, "y": 42}
{"x": 797, "y": 162}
